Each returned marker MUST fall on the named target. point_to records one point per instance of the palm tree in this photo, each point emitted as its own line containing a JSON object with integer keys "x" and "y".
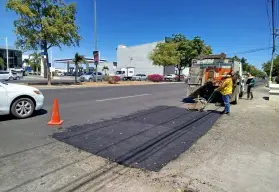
{"x": 35, "y": 59}
{"x": 78, "y": 59}
{"x": 105, "y": 68}
{"x": 2, "y": 65}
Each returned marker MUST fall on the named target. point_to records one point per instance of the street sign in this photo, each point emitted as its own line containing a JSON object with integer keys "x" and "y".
{"x": 96, "y": 55}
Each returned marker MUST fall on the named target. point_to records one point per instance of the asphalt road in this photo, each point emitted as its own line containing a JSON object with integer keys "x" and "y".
{"x": 83, "y": 106}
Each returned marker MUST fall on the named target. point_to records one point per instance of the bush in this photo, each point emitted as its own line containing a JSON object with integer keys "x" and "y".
{"x": 155, "y": 78}
{"x": 113, "y": 79}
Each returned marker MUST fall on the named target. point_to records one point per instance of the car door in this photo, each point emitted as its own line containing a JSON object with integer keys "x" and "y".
{"x": 143, "y": 77}
{"x": 4, "y": 107}
{"x": 100, "y": 76}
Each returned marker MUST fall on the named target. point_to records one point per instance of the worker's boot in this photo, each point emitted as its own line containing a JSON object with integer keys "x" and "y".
{"x": 224, "y": 112}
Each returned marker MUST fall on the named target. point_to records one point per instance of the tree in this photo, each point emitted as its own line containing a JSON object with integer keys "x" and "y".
{"x": 245, "y": 65}
{"x": 275, "y": 71}
{"x": 26, "y": 61}
{"x": 35, "y": 59}
{"x": 2, "y": 64}
{"x": 43, "y": 24}
{"x": 105, "y": 68}
{"x": 179, "y": 51}
{"x": 236, "y": 58}
{"x": 78, "y": 59}
{"x": 165, "y": 54}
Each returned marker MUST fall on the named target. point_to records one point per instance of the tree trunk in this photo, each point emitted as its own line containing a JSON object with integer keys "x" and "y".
{"x": 179, "y": 72}
{"x": 46, "y": 64}
{"x": 76, "y": 73}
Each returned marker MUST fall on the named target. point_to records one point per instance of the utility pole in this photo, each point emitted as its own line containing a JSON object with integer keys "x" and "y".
{"x": 274, "y": 35}
{"x": 131, "y": 59}
{"x": 7, "y": 51}
{"x": 95, "y": 37}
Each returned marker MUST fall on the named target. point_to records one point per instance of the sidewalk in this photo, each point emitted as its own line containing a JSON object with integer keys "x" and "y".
{"x": 240, "y": 153}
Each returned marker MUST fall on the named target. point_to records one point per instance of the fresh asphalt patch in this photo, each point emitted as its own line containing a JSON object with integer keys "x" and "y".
{"x": 147, "y": 139}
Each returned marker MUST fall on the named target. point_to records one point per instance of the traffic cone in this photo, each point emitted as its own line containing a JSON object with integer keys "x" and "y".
{"x": 55, "y": 117}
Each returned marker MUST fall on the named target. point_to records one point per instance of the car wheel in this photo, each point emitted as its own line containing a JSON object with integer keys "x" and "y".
{"x": 11, "y": 78}
{"x": 22, "y": 108}
{"x": 17, "y": 78}
{"x": 90, "y": 80}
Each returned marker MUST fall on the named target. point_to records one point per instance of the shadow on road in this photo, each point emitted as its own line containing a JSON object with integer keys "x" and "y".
{"x": 10, "y": 117}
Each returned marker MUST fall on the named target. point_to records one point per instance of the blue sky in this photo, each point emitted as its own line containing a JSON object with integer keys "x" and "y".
{"x": 228, "y": 26}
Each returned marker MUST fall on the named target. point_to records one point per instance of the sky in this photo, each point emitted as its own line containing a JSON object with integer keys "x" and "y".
{"x": 229, "y": 26}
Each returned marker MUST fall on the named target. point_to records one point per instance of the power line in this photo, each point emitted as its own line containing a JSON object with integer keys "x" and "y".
{"x": 250, "y": 51}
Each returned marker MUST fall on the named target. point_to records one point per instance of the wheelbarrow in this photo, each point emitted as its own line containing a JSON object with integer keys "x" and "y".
{"x": 199, "y": 103}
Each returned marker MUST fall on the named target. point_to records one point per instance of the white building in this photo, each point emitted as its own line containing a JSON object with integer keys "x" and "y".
{"x": 137, "y": 56}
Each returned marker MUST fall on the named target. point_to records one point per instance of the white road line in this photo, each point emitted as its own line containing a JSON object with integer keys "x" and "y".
{"x": 122, "y": 97}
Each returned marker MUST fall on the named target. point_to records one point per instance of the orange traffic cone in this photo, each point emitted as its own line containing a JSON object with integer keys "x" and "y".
{"x": 55, "y": 117}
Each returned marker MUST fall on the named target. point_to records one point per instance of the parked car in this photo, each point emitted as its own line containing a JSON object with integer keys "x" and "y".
{"x": 9, "y": 76}
{"x": 6, "y": 75}
{"x": 19, "y": 100}
{"x": 90, "y": 77}
{"x": 170, "y": 77}
{"x": 15, "y": 75}
{"x": 139, "y": 77}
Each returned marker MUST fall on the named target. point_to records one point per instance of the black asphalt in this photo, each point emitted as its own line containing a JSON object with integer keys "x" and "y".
{"x": 79, "y": 107}
{"x": 147, "y": 139}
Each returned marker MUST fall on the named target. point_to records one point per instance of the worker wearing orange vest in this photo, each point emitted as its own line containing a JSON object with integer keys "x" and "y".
{"x": 226, "y": 91}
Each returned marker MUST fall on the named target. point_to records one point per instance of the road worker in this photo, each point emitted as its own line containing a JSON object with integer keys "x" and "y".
{"x": 226, "y": 90}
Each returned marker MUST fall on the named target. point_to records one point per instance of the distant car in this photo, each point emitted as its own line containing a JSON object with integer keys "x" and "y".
{"x": 15, "y": 76}
{"x": 19, "y": 100}
{"x": 90, "y": 77}
{"x": 170, "y": 77}
{"x": 139, "y": 77}
{"x": 6, "y": 75}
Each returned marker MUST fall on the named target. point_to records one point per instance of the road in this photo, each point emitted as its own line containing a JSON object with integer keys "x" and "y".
{"x": 81, "y": 106}
{"x": 84, "y": 106}
{"x": 32, "y": 160}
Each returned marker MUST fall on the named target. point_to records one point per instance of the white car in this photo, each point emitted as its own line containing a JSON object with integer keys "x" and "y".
{"x": 19, "y": 100}
{"x": 170, "y": 77}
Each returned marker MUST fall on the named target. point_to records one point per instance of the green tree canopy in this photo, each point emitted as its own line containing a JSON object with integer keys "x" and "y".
{"x": 78, "y": 59}
{"x": 179, "y": 51}
{"x": 275, "y": 71}
{"x": 43, "y": 24}
{"x": 105, "y": 68}
{"x": 249, "y": 68}
{"x": 35, "y": 61}
{"x": 165, "y": 54}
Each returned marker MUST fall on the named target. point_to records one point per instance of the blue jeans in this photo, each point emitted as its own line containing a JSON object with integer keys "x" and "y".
{"x": 226, "y": 99}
